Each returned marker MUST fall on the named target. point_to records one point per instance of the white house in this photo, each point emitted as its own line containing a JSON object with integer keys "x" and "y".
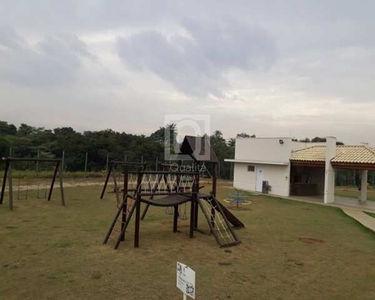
{"x": 284, "y": 167}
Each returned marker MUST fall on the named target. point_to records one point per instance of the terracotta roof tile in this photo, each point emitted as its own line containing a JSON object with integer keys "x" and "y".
{"x": 360, "y": 154}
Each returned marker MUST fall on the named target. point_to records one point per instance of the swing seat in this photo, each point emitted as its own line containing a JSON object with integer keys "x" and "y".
{"x": 170, "y": 200}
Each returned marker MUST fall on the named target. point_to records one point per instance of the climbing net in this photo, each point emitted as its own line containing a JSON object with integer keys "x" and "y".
{"x": 219, "y": 224}
{"x": 161, "y": 183}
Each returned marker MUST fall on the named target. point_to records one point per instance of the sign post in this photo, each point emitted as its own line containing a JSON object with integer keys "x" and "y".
{"x": 186, "y": 280}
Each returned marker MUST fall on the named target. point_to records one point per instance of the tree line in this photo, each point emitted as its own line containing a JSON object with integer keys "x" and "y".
{"x": 29, "y": 141}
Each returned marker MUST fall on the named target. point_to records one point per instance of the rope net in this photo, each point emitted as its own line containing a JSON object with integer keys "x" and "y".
{"x": 162, "y": 183}
{"x": 219, "y": 223}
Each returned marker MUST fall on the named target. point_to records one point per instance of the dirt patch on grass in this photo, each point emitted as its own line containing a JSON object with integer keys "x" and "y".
{"x": 309, "y": 240}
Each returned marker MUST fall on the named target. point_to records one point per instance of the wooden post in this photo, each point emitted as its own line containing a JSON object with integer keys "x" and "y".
{"x": 37, "y": 177}
{"x": 196, "y": 197}
{"x": 106, "y": 180}
{"x": 61, "y": 171}
{"x": 4, "y": 181}
{"x": 10, "y": 180}
{"x": 193, "y": 204}
{"x": 175, "y": 218}
{"x": 192, "y": 221}
{"x": 125, "y": 201}
{"x": 113, "y": 225}
{"x": 145, "y": 211}
{"x": 138, "y": 210}
{"x": 126, "y": 225}
{"x": 53, "y": 181}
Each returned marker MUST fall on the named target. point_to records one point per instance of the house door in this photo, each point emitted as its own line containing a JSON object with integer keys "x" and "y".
{"x": 260, "y": 177}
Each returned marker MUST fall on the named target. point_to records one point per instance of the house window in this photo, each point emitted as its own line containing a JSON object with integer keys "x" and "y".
{"x": 250, "y": 168}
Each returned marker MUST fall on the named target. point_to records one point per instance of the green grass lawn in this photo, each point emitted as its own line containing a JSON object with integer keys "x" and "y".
{"x": 370, "y": 214}
{"x": 353, "y": 192}
{"x": 289, "y": 250}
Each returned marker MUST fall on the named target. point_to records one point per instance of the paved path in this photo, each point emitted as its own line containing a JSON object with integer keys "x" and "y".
{"x": 360, "y": 217}
{"x": 56, "y": 185}
{"x": 341, "y": 202}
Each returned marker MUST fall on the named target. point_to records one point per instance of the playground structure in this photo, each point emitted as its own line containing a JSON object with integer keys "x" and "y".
{"x": 113, "y": 171}
{"x": 170, "y": 189}
{"x": 41, "y": 186}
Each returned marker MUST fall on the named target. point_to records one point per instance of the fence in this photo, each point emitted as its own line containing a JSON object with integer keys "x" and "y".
{"x": 77, "y": 165}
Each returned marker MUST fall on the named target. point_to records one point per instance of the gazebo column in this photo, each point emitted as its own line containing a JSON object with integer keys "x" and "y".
{"x": 364, "y": 175}
{"x": 329, "y": 177}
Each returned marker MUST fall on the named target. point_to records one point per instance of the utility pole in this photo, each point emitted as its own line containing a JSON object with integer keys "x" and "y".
{"x": 37, "y": 164}
{"x": 63, "y": 161}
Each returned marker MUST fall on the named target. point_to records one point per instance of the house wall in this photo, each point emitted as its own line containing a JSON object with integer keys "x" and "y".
{"x": 277, "y": 177}
{"x": 263, "y": 149}
{"x": 269, "y": 150}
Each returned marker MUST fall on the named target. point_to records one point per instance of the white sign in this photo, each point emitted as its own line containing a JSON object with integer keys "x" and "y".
{"x": 186, "y": 280}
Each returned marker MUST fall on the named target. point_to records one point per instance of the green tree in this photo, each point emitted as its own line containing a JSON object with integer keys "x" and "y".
{"x": 7, "y": 129}
{"x": 4, "y": 147}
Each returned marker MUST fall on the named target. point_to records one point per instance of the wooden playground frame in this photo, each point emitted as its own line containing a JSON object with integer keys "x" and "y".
{"x": 172, "y": 196}
{"x": 111, "y": 171}
{"x": 8, "y": 175}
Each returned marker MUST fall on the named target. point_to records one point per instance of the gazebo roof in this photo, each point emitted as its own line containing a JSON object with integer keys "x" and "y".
{"x": 346, "y": 155}
{"x": 199, "y": 148}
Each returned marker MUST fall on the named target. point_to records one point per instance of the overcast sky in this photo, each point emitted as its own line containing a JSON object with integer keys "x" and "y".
{"x": 273, "y": 68}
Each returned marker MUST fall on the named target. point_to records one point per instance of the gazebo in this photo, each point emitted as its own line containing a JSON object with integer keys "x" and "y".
{"x": 330, "y": 157}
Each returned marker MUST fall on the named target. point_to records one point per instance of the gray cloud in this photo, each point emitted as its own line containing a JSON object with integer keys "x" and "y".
{"x": 196, "y": 62}
{"x": 304, "y": 67}
{"x": 52, "y": 61}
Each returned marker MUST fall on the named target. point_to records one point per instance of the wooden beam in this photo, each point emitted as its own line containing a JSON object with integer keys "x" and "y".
{"x": 53, "y": 180}
{"x": 4, "y": 181}
{"x": 314, "y": 164}
{"x": 106, "y": 180}
{"x": 125, "y": 204}
{"x": 138, "y": 211}
{"x": 175, "y": 218}
{"x": 354, "y": 166}
{"x": 10, "y": 180}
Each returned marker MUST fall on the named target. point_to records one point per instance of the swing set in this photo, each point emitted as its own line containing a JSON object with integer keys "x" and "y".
{"x": 42, "y": 187}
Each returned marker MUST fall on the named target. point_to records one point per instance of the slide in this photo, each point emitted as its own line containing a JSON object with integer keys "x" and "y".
{"x": 230, "y": 217}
